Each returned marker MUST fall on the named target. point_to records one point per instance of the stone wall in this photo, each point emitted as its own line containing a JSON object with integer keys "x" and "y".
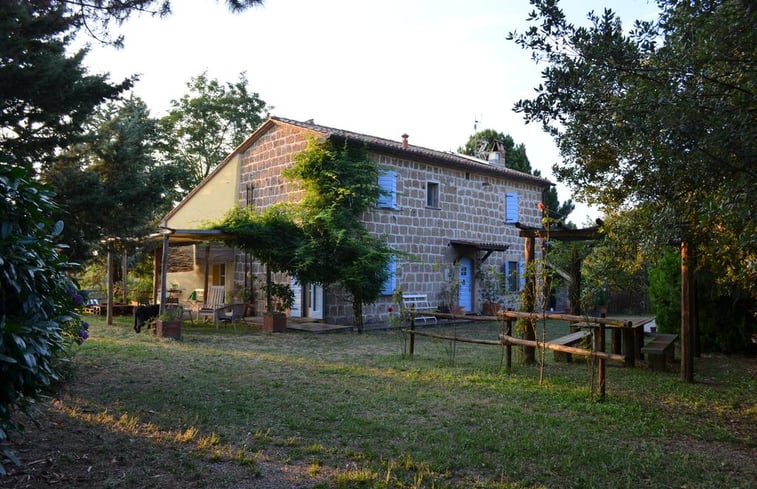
{"x": 262, "y": 185}
{"x": 471, "y": 208}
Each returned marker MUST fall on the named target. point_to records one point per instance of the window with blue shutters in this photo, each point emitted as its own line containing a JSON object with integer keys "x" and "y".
{"x": 387, "y": 182}
{"x": 387, "y": 288}
{"x": 522, "y": 271}
{"x": 511, "y": 208}
{"x": 513, "y": 274}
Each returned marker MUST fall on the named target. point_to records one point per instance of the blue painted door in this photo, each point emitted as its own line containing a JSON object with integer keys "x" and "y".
{"x": 465, "y": 272}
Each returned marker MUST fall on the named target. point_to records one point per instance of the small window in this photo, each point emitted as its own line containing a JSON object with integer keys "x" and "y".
{"x": 432, "y": 194}
{"x": 387, "y": 182}
{"x": 219, "y": 274}
{"x": 512, "y": 276}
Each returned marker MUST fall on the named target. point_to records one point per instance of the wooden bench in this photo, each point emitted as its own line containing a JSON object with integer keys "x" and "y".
{"x": 568, "y": 340}
{"x": 418, "y": 302}
{"x": 660, "y": 350}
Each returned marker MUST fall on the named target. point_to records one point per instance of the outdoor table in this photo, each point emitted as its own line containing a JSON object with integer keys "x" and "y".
{"x": 626, "y": 339}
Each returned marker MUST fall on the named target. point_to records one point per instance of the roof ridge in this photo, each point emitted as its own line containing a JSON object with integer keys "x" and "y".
{"x": 410, "y": 149}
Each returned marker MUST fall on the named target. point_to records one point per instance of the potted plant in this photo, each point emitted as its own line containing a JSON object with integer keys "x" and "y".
{"x": 246, "y": 295}
{"x": 491, "y": 290}
{"x": 168, "y": 324}
{"x": 450, "y": 291}
{"x": 279, "y": 299}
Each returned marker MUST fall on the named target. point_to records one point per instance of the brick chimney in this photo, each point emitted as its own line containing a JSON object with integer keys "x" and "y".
{"x": 497, "y": 155}
{"x": 404, "y": 140}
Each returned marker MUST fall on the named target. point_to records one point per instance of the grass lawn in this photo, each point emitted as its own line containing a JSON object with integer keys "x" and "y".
{"x": 246, "y": 409}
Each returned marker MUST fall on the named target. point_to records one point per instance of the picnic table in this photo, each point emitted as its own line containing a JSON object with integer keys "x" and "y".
{"x": 627, "y": 337}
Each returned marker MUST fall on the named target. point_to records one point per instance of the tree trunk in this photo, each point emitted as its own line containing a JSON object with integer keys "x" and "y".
{"x": 357, "y": 312}
{"x": 687, "y": 341}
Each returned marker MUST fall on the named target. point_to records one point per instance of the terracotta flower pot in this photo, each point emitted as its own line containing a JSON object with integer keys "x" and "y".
{"x": 274, "y": 322}
{"x": 491, "y": 308}
{"x": 168, "y": 329}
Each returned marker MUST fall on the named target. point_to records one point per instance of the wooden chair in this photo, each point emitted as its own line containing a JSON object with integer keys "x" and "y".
{"x": 232, "y": 313}
{"x": 214, "y": 303}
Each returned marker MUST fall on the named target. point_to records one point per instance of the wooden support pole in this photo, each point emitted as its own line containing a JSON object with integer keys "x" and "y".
{"x": 638, "y": 344}
{"x": 164, "y": 275}
{"x": 574, "y": 287}
{"x": 508, "y": 314}
{"x": 599, "y": 346}
{"x": 617, "y": 341}
{"x": 687, "y": 343}
{"x": 124, "y": 276}
{"x": 457, "y": 339}
{"x": 612, "y": 357}
{"x": 207, "y": 273}
{"x": 610, "y": 322}
{"x": 412, "y": 335}
{"x": 628, "y": 345}
{"x": 529, "y": 301}
{"x": 155, "y": 274}
{"x": 109, "y": 311}
{"x": 508, "y": 346}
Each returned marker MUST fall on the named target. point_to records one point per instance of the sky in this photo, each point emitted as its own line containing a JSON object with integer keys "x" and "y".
{"x": 437, "y": 70}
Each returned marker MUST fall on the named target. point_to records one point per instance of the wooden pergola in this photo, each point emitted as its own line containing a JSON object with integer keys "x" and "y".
{"x": 562, "y": 234}
{"x": 688, "y": 291}
{"x": 183, "y": 237}
{"x": 167, "y": 236}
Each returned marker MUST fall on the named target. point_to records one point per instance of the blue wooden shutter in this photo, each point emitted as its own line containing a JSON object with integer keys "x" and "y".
{"x": 511, "y": 208}
{"x": 387, "y": 288}
{"x": 387, "y": 182}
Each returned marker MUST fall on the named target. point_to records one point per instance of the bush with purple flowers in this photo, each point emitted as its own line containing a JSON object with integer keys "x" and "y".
{"x": 39, "y": 304}
{"x": 74, "y": 329}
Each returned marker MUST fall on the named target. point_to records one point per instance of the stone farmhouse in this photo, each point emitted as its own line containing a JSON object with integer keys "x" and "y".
{"x": 453, "y": 214}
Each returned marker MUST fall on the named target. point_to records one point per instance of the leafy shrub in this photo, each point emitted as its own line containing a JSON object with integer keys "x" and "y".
{"x": 724, "y": 320}
{"x": 38, "y": 301}
{"x": 665, "y": 291}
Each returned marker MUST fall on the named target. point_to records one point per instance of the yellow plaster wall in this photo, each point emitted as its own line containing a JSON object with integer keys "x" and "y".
{"x": 211, "y": 201}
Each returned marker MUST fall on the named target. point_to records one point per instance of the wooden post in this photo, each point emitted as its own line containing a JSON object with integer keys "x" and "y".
{"x": 155, "y": 275}
{"x": 412, "y": 336}
{"x": 574, "y": 287}
{"x": 617, "y": 340}
{"x": 602, "y": 365}
{"x": 109, "y": 311}
{"x": 550, "y": 346}
{"x": 638, "y": 343}
{"x": 529, "y": 353}
{"x": 163, "y": 275}
{"x": 124, "y": 277}
{"x": 627, "y": 344}
{"x": 508, "y": 347}
{"x": 687, "y": 279}
{"x": 207, "y": 272}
